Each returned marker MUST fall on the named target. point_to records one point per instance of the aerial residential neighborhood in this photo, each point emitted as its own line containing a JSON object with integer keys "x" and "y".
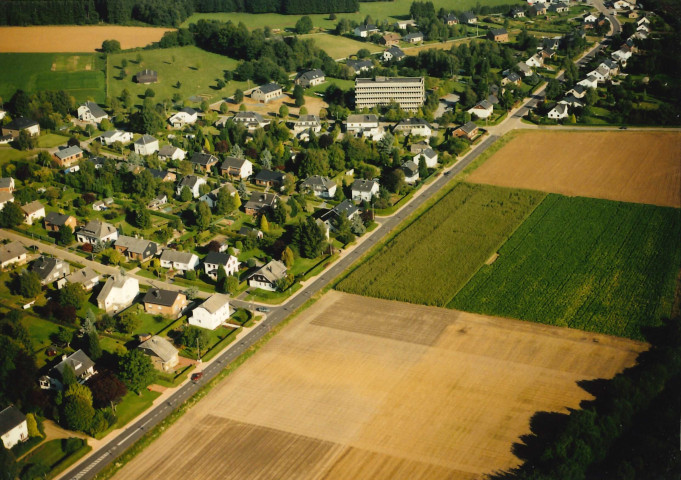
{"x": 345, "y": 239}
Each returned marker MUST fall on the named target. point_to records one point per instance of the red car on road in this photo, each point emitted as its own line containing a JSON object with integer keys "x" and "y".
{"x": 197, "y": 376}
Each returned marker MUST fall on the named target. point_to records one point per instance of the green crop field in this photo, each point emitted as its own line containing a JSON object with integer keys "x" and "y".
{"x": 596, "y": 265}
{"x": 433, "y": 257}
{"x": 394, "y": 10}
{"x": 197, "y": 71}
{"x": 80, "y": 74}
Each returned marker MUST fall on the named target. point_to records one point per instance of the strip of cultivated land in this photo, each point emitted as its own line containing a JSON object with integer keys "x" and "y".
{"x": 364, "y": 388}
{"x": 596, "y": 265}
{"x": 434, "y": 256}
{"x": 640, "y": 167}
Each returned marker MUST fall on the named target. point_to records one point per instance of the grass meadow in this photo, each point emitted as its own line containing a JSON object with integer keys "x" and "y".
{"x": 595, "y": 265}
{"x": 197, "y": 71}
{"x": 394, "y": 10}
{"x": 80, "y": 74}
{"x": 434, "y": 256}
{"x": 341, "y": 47}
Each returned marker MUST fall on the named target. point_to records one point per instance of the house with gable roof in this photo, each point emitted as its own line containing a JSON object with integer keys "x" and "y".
{"x": 161, "y": 352}
{"x": 267, "y": 277}
{"x": 212, "y": 313}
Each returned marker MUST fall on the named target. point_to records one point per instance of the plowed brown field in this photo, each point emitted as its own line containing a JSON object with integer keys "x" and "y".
{"x": 639, "y": 167}
{"x": 360, "y": 388}
{"x": 74, "y": 39}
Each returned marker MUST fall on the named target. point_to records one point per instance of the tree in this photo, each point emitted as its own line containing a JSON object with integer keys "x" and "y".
{"x": 221, "y": 84}
{"x": 9, "y": 469}
{"x": 310, "y": 238}
{"x": 266, "y": 159}
{"x": 283, "y": 111}
{"x": 65, "y": 235}
{"x": 358, "y": 227}
{"x": 114, "y": 257}
{"x": 203, "y": 216}
{"x": 32, "y": 426}
{"x": 128, "y": 322}
{"x": 11, "y": 215}
{"x": 344, "y": 230}
{"x": 111, "y": 46}
{"x": 287, "y": 257}
{"x": 72, "y": 294}
{"x": 238, "y": 95}
{"x": 299, "y": 96}
{"x": 77, "y": 412}
{"x": 221, "y": 278}
{"x": 192, "y": 293}
{"x": 303, "y": 25}
{"x": 94, "y": 349}
{"x": 192, "y": 336}
{"x": 135, "y": 370}
{"x": 143, "y": 217}
{"x": 64, "y": 337}
{"x": 106, "y": 388}
{"x": 231, "y": 284}
{"x": 29, "y": 284}
{"x": 186, "y": 194}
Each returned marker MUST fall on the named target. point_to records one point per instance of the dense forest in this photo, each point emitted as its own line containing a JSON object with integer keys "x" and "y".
{"x": 153, "y": 12}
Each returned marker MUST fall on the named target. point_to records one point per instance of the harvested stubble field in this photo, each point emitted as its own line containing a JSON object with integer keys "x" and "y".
{"x": 74, "y": 39}
{"x": 596, "y": 265}
{"x": 641, "y": 167}
{"x": 363, "y": 388}
{"x": 434, "y": 256}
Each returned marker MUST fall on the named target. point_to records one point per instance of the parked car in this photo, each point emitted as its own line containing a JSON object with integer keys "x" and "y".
{"x": 263, "y": 309}
{"x": 197, "y": 376}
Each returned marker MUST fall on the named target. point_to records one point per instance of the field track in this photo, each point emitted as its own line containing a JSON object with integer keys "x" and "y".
{"x": 639, "y": 167}
{"x": 74, "y": 39}
{"x": 363, "y": 388}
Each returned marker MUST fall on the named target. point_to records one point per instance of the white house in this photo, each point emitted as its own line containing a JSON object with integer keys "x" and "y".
{"x": 621, "y": 55}
{"x": 97, "y": 232}
{"x": 12, "y": 253}
{"x": 33, "y": 211}
{"x": 87, "y": 277}
{"x": 602, "y": 73}
{"x": 535, "y": 61}
{"x": 212, "y": 313}
{"x": 589, "y": 82}
{"x": 193, "y": 183}
{"x": 307, "y": 123}
{"x": 251, "y": 120}
{"x": 13, "y": 427}
{"x": 310, "y": 78}
{"x": 186, "y": 116}
{"x": 238, "y": 168}
{"x": 78, "y": 361}
{"x": 364, "y": 190}
{"x": 393, "y": 53}
{"x": 365, "y": 125}
{"x": 429, "y": 156}
{"x": 414, "y": 126}
{"x": 113, "y": 136}
{"x": 118, "y": 293}
{"x": 411, "y": 172}
{"x": 319, "y": 186}
{"x": 146, "y": 145}
{"x": 169, "y": 152}
{"x": 559, "y": 111}
{"x": 91, "y": 112}
{"x": 181, "y": 261}
{"x": 364, "y": 31}
{"x": 267, "y": 277}
{"x": 265, "y": 93}
{"x": 213, "y": 261}
{"x": 483, "y": 109}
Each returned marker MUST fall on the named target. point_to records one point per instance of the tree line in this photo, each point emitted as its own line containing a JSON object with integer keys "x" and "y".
{"x": 153, "y": 12}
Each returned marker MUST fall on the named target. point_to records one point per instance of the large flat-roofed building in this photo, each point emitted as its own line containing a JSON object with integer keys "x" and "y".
{"x": 408, "y": 92}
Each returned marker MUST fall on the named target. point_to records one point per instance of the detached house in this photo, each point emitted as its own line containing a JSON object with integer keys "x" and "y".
{"x": 87, "y": 277}
{"x": 112, "y": 136}
{"x": 19, "y": 124}
{"x": 168, "y": 303}
{"x": 414, "y": 126}
{"x": 146, "y": 76}
{"x": 91, "y": 112}
{"x": 559, "y": 111}
{"x": 193, "y": 183}
{"x": 310, "y": 78}
{"x": 214, "y": 260}
{"x": 498, "y": 34}
{"x": 328, "y": 219}
{"x": 68, "y": 156}
{"x": 163, "y": 175}
{"x": 13, "y": 427}
{"x": 266, "y": 93}
{"x": 450, "y": 19}
{"x": 468, "y": 130}
{"x": 366, "y": 30}
{"x": 364, "y": 190}
{"x": 181, "y": 261}
{"x": 146, "y": 145}
{"x": 212, "y": 313}
{"x": 270, "y": 178}
{"x": 535, "y": 61}
{"x": 416, "y": 37}
{"x": 259, "y": 202}
{"x": 360, "y": 123}
{"x": 97, "y": 232}
{"x": 307, "y": 123}
{"x": 267, "y": 277}
{"x": 236, "y": 168}
{"x": 78, "y": 361}
{"x": 429, "y": 156}
{"x": 186, "y": 116}
{"x": 162, "y": 353}
{"x": 389, "y": 39}
{"x": 50, "y": 269}
{"x": 118, "y": 293}
{"x": 7, "y": 184}
{"x": 136, "y": 248}
{"x": 251, "y": 120}
{"x": 411, "y": 172}
{"x": 483, "y": 109}
{"x": 360, "y": 66}
{"x": 12, "y": 253}
{"x": 204, "y": 161}
{"x": 33, "y": 211}
{"x": 469, "y": 18}
{"x": 393, "y": 53}
{"x": 169, "y": 152}
{"x": 319, "y": 186}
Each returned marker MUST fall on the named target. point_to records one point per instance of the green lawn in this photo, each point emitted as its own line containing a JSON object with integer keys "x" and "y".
{"x": 196, "y": 70}
{"x": 394, "y": 10}
{"x": 591, "y": 264}
{"x": 9, "y": 154}
{"x": 53, "y": 455}
{"x": 50, "y": 140}
{"x": 434, "y": 256}
{"x": 80, "y": 74}
{"x": 129, "y": 407}
{"x": 341, "y": 47}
